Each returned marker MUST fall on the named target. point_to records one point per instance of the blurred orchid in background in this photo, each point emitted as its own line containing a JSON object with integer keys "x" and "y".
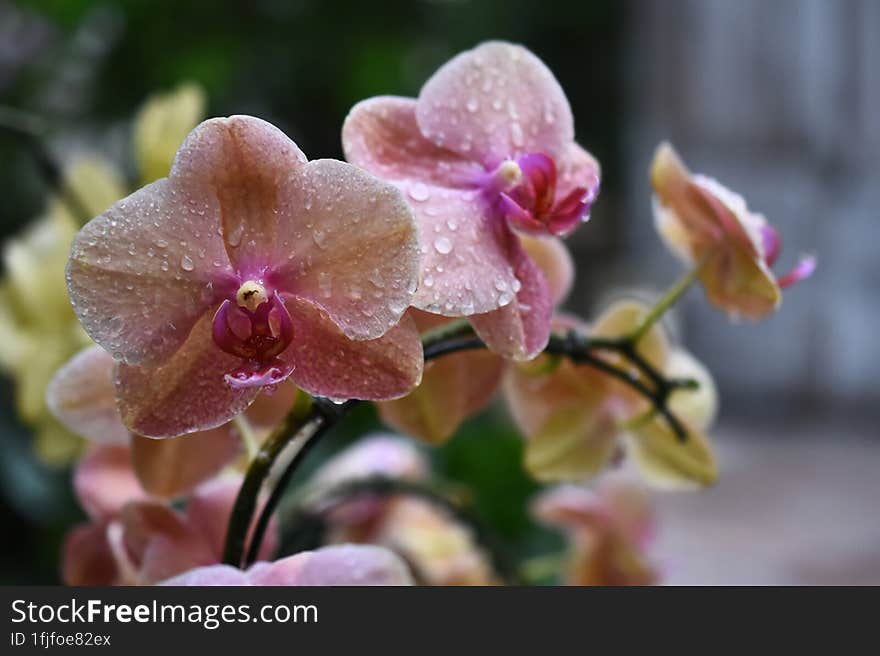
{"x": 731, "y": 248}
{"x": 608, "y": 529}
{"x": 132, "y": 539}
{"x": 337, "y": 565}
{"x": 577, "y": 418}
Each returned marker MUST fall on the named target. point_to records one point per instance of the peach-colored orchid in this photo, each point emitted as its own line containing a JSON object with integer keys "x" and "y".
{"x": 244, "y": 267}
{"x": 132, "y": 539}
{"x": 439, "y": 549}
{"x": 459, "y": 385}
{"x": 608, "y": 529}
{"x": 575, "y": 417}
{"x": 484, "y": 154}
{"x": 83, "y": 398}
{"x": 709, "y": 226}
{"x": 346, "y": 564}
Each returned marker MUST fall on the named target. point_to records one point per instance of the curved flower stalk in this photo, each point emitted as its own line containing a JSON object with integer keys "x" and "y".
{"x": 83, "y": 398}
{"x": 609, "y": 531}
{"x": 132, "y": 539}
{"x": 38, "y": 329}
{"x": 486, "y": 153}
{"x": 576, "y": 417}
{"x": 345, "y": 564}
{"x": 458, "y": 386}
{"x": 711, "y": 228}
{"x": 248, "y": 265}
{"x": 439, "y": 549}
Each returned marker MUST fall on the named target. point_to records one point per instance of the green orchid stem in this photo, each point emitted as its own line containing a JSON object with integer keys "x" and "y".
{"x": 311, "y": 418}
{"x": 666, "y": 301}
{"x": 313, "y": 512}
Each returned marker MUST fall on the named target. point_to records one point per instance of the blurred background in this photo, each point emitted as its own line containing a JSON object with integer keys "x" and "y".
{"x": 780, "y": 101}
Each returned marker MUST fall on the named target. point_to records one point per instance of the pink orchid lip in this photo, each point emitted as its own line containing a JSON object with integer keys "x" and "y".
{"x": 772, "y": 246}
{"x": 260, "y": 375}
{"x": 524, "y": 192}
{"x": 253, "y": 330}
{"x": 802, "y": 270}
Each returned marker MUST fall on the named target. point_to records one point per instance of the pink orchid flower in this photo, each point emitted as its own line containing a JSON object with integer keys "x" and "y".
{"x": 486, "y": 153}
{"x": 709, "y": 226}
{"x": 133, "y": 539}
{"x": 82, "y": 397}
{"x": 438, "y": 549}
{"x": 339, "y": 565}
{"x": 577, "y": 419}
{"x": 609, "y": 531}
{"x": 456, "y": 387}
{"x": 244, "y": 267}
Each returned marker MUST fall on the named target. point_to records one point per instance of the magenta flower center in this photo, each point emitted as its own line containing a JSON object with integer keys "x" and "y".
{"x": 255, "y": 326}
{"x": 524, "y": 191}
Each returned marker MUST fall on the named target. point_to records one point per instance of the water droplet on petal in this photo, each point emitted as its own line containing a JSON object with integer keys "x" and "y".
{"x": 443, "y": 245}
{"x": 186, "y": 263}
{"x": 419, "y": 192}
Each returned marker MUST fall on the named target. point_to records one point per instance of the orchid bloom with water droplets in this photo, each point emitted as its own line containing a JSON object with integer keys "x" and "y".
{"x": 709, "y": 226}
{"x": 457, "y": 386}
{"x": 244, "y": 267}
{"x": 485, "y": 154}
{"x": 133, "y": 539}
{"x": 83, "y": 398}
{"x": 575, "y": 417}
{"x": 609, "y": 530}
{"x": 345, "y": 564}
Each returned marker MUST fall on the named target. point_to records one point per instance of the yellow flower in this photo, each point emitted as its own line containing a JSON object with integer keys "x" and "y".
{"x": 38, "y": 328}
{"x": 161, "y": 125}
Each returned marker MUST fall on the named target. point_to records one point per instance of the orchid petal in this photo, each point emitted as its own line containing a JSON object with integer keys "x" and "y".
{"x": 211, "y": 575}
{"x": 381, "y": 135}
{"x": 574, "y": 444}
{"x": 466, "y": 266}
{"x": 140, "y": 275}
{"x": 327, "y": 363}
{"x": 86, "y": 557}
{"x": 381, "y": 454}
{"x": 349, "y": 245}
{"x": 624, "y": 316}
{"x": 453, "y": 388}
{"x": 740, "y": 284}
{"x": 494, "y": 102}
{"x": 81, "y": 395}
{"x": 245, "y": 163}
{"x": 186, "y": 394}
{"x": 345, "y": 564}
{"x": 208, "y": 511}
{"x": 553, "y": 258}
{"x": 695, "y": 407}
{"x": 668, "y": 462}
{"x": 578, "y": 169}
{"x": 172, "y": 467}
{"x": 104, "y": 480}
{"x": 520, "y": 330}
